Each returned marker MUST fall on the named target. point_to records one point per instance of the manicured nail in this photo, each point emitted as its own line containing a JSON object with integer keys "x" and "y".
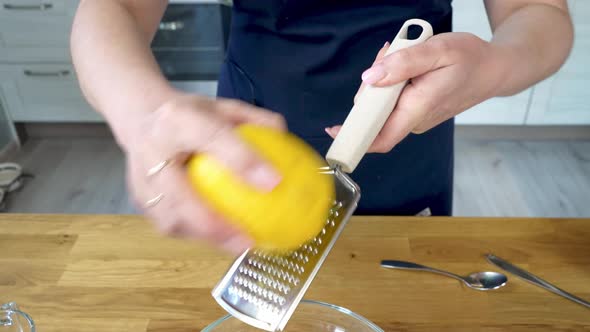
{"x": 373, "y": 75}
{"x": 237, "y": 244}
{"x": 263, "y": 177}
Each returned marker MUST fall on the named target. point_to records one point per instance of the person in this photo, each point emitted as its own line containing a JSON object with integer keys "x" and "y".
{"x": 297, "y": 64}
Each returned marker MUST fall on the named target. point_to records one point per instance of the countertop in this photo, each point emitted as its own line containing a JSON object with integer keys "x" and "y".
{"x": 114, "y": 273}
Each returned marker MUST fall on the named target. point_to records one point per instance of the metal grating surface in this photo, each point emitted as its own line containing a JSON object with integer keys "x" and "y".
{"x": 263, "y": 289}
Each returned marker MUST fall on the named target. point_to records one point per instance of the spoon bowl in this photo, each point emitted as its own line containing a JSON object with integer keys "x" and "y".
{"x": 479, "y": 280}
{"x": 485, "y": 280}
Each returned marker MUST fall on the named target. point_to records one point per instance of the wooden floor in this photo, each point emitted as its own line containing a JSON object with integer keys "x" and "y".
{"x": 492, "y": 178}
{"x": 81, "y": 175}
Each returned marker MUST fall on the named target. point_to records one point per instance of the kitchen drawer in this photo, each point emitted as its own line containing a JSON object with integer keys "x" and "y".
{"x": 35, "y": 30}
{"x": 44, "y": 93}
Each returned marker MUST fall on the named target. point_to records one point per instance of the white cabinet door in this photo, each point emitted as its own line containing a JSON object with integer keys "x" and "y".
{"x": 470, "y": 16}
{"x": 44, "y": 93}
{"x": 563, "y": 99}
{"x": 35, "y": 30}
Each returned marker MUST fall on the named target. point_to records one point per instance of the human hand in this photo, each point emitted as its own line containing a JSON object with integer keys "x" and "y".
{"x": 449, "y": 73}
{"x": 163, "y": 140}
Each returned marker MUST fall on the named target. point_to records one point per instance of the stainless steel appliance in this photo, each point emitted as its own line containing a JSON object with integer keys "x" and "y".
{"x": 191, "y": 42}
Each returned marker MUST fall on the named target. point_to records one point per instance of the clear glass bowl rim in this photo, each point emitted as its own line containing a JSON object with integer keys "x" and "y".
{"x": 12, "y": 308}
{"x": 340, "y": 309}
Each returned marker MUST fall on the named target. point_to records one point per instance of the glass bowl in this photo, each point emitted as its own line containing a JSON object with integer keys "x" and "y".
{"x": 14, "y": 320}
{"x": 310, "y": 316}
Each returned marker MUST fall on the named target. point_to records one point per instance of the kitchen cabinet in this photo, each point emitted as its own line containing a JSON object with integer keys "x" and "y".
{"x": 38, "y": 84}
{"x": 34, "y": 30}
{"x": 563, "y": 98}
{"x": 38, "y": 81}
{"x": 470, "y": 16}
{"x": 44, "y": 92}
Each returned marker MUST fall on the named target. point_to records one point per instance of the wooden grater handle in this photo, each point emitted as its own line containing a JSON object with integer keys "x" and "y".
{"x": 373, "y": 107}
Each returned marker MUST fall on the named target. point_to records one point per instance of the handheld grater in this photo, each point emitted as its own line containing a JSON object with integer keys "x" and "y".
{"x": 263, "y": 289}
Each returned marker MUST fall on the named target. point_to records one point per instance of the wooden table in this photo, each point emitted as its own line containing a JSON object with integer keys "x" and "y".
{"x": 113, "y": 273}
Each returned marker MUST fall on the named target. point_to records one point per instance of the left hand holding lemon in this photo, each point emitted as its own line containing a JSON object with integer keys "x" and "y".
{"x": 158, "y": 143}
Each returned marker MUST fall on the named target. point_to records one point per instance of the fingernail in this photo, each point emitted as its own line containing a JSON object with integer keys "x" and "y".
{"x": 237, "y": 244}
{"x": 328, "y": 131}
{"x": 386, "y": 44}
{"x": 373, "y": 75}
{"x": 264, "y": 177}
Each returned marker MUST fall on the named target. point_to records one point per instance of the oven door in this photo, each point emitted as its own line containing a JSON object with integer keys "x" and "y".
{"x": 191, "y": 42}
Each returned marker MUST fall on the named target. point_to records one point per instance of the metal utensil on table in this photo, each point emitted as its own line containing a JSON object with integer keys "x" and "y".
{"x": 263, "y": 289}
{"x": 506, "y": 266}
{"x": 478, "y": 280}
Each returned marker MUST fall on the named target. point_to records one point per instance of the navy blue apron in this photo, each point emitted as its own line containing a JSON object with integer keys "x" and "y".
{"x": 304, "y": 58}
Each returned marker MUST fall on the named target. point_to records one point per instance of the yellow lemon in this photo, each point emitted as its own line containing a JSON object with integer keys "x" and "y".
{"x": 292, "y": 213}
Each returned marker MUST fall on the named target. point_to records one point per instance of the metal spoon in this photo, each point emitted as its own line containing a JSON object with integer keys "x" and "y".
{"x": 477, "y": 280}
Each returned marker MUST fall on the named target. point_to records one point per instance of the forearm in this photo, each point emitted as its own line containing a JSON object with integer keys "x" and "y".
{"x": 115, "y": 66}
{"x": 532, "y": 42}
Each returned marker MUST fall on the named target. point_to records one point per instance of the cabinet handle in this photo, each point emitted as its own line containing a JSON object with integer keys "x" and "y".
{"x": 59, "y": 73}
{"x": 171, "y": 26}
{"x": 43, "y": 6}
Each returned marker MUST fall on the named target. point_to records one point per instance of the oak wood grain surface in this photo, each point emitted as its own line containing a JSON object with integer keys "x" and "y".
{"x": 114, "y": 273}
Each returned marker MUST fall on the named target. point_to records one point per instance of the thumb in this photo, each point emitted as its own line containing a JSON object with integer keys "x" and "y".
{"x": 380, "y": 55}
